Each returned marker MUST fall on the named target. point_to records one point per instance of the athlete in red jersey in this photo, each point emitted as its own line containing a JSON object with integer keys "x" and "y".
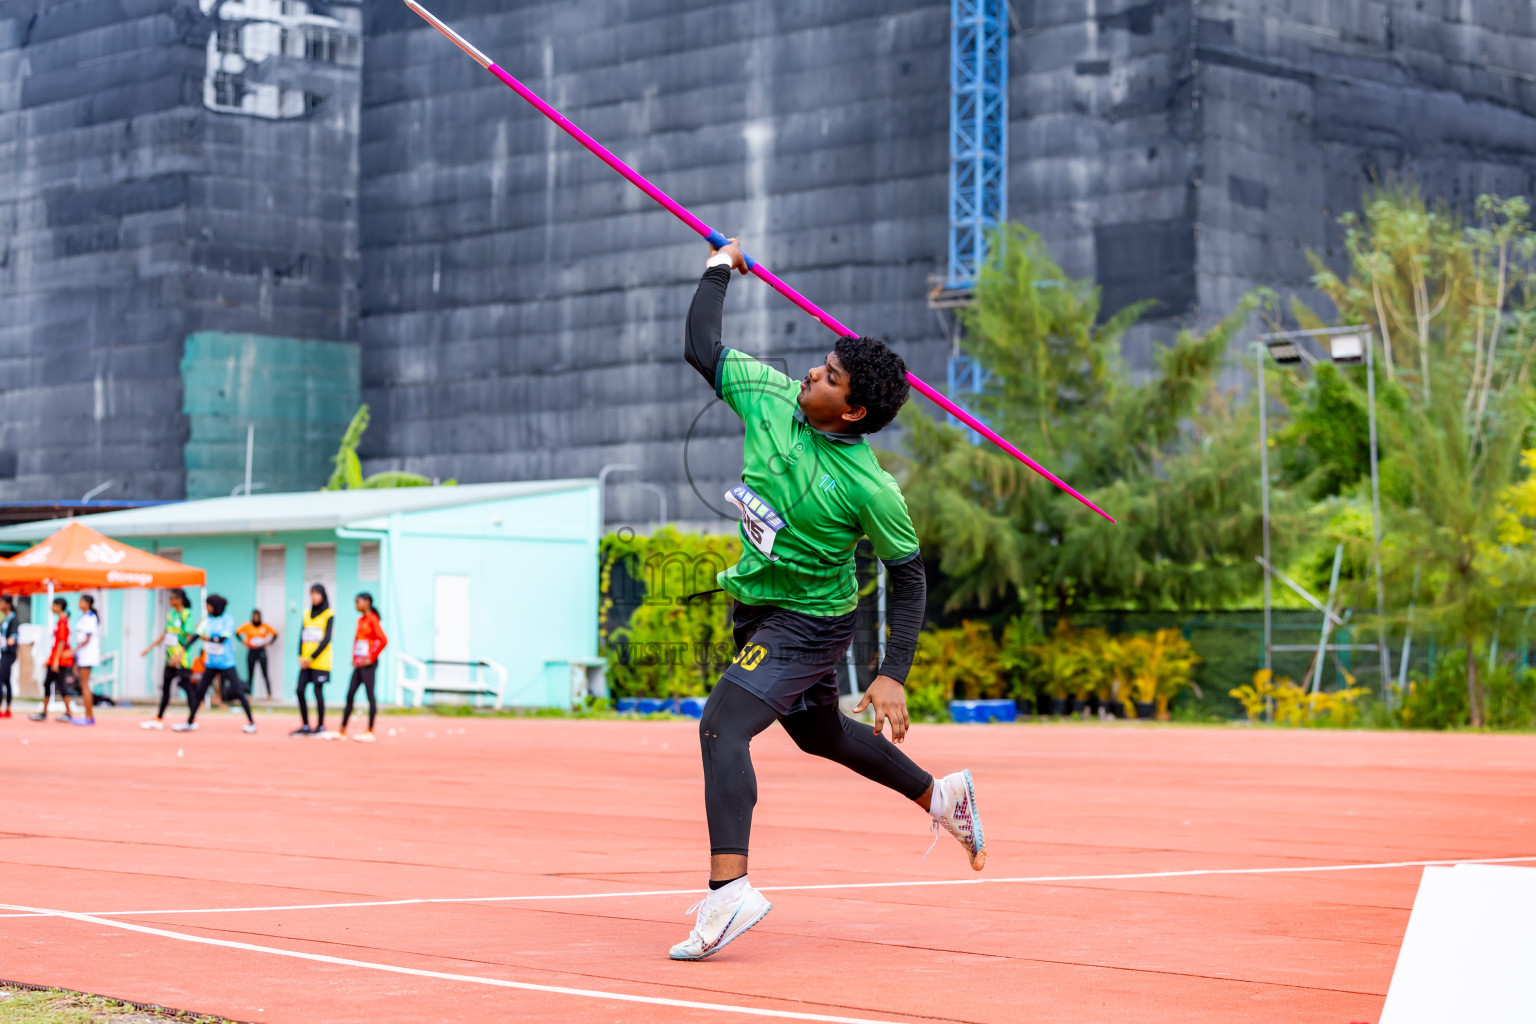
{"x": 367, "y": 645}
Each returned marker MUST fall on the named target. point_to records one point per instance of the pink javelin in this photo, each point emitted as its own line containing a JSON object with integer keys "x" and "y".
{"x": 718, "y": 239}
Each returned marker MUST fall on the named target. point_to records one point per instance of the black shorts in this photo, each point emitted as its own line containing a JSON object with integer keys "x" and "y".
{"x": 61, "y": 682}
{"x": 787, "y": 659}
{"x": 314, "y": 675}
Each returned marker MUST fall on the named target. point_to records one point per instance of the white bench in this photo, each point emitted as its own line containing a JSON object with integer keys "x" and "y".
{"x": 417, "y": 677}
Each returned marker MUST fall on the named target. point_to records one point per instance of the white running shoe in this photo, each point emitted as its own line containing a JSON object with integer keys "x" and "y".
{"x": 366, "y": 737}
{"x": 153, "y": 723}
{"x": 954, "y": 809}
{"x": 723, "y": 915}
{"x": 184, "y": 727}
{"x": 248, "y": 727}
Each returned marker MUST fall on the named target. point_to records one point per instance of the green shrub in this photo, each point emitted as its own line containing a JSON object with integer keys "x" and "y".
{"x": 1509, "y": 698}
{"x": 1018, "y": 657}
{"x": 963, "y": 663}
{"x": 1440, "y": 701}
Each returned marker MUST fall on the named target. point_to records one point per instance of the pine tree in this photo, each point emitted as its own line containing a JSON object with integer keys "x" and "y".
{"x": 1173, "y": 457}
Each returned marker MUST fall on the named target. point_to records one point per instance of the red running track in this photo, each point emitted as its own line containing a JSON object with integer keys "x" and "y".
{"x": 114, "y": 822}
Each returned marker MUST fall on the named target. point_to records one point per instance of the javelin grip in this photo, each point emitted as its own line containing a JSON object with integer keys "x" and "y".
{"x": 717, "y": 240}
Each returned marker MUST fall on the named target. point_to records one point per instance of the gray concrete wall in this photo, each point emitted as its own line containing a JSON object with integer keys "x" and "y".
{"x": 1104, "y": 152}
{"x": 1305, "y": 105}
{"x": 522, "y": 305}
{"x": 98, "y": 146}
{"x": 132, "y": 214}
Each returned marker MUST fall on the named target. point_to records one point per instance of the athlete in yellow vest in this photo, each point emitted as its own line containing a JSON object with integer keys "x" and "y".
{"x": 315, "y": 658}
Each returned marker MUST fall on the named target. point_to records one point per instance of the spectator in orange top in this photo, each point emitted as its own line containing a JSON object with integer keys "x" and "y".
{"x": 257, "y": 637}
{"x": 366, "y": 648}
{"x": 61, "y": 662}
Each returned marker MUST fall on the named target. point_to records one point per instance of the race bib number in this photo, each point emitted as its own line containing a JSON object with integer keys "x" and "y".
{"x": 360, "y": 649}
{"x": 312, "y": 634}
{"x": 260, "y": 641}
{"x": 758, "y": 518}
{"x": 213, "y": 648}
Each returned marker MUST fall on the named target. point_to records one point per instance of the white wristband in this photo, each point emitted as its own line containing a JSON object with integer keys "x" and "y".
{"x": 719, "y": 259}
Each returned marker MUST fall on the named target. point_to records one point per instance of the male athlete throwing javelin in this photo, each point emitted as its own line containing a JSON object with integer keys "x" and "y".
{"x": 811, "y": 487}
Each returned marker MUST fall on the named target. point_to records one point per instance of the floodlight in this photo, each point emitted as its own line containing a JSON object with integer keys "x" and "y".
{"x": 1347, "y": 348}
{"x": 1285, "y": 351}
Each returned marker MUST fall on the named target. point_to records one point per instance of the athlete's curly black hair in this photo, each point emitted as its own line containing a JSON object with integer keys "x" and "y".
{"x": 877, "y": 380}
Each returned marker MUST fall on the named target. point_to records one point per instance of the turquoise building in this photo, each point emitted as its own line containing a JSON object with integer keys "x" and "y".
{"x": 501, "y": 574}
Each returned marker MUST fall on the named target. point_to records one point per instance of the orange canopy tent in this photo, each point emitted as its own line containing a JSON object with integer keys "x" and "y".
{"x": 78, "y": 558}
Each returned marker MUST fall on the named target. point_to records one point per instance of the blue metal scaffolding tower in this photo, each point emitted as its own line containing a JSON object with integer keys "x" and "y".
{"x": 978, "y": 161}
{"x": 978, "y": 133}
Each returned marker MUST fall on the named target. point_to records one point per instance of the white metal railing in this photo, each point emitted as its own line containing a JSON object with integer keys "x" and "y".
{"x": 416, "y": 677}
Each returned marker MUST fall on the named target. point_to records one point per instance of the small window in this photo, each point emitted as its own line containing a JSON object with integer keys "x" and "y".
{"x": 228, "y": 89}
{"x": 368, "y": 560}
{"x": 170, "y": 554}
{"x": 320, "y": 565}
{"x": 229, "y": 39}
{"x": 322, "y": 46}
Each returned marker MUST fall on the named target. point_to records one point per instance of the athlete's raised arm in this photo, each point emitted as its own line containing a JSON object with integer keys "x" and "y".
{"x": 701, "y": 332}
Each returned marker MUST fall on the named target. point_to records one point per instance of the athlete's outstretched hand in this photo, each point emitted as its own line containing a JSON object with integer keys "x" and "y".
{"x": 889, "y": 699}
{"x": 738, "y": 261}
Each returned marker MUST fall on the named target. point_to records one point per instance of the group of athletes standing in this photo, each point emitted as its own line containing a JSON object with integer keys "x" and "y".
{"x": 217, "y": 635}
{"x": 200, "y": 660}
{"x": 74, "y": 653}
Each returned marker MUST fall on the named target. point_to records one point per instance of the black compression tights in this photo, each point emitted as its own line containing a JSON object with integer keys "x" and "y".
{"x": 733, "y": 716}
{"x": 362, "y": 676}
{"x": 170, "y": 678}
{"x": 6, "y": 661}
{"x": 215, "y": 677}
{"x": 305, "y": 684}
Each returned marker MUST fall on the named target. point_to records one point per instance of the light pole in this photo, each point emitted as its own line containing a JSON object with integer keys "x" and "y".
{"x": 660, "y": 493}
{"x": 1264, "y": 488}
{"x": 1346, "y": 346}
{"x": 602, "y": 481}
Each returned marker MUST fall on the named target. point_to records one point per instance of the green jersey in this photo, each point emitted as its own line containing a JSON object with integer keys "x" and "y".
{"x": 808, "y": 498}
{"x": 178, "y": 636}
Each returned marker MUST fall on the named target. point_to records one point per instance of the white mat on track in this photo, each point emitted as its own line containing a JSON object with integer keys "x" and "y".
{"x": 1469, "y": 955}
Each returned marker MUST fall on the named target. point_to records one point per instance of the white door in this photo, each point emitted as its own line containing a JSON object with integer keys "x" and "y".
{"x": 272, "y": 600}
{"x": 450, "y": 627}
{"x": 131, "y": 668}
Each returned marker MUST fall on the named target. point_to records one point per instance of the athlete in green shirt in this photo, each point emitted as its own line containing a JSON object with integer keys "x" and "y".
{"x": 810, "y": 489}
{"x": 178, "y": 636}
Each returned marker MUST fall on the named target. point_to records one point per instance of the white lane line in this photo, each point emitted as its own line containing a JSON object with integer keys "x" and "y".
{"x": 1029, "y": 880}
{"x": 472, "y": 979}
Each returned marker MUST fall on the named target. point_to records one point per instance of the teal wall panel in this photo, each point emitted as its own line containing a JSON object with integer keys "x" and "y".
{"x": 299, "y": 394}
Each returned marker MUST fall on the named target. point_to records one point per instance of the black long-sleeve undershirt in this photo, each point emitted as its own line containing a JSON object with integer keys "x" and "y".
{"x": 907, "y": 586}
{"x": 701, "y": 331}
{"x": 906, "y": 599}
